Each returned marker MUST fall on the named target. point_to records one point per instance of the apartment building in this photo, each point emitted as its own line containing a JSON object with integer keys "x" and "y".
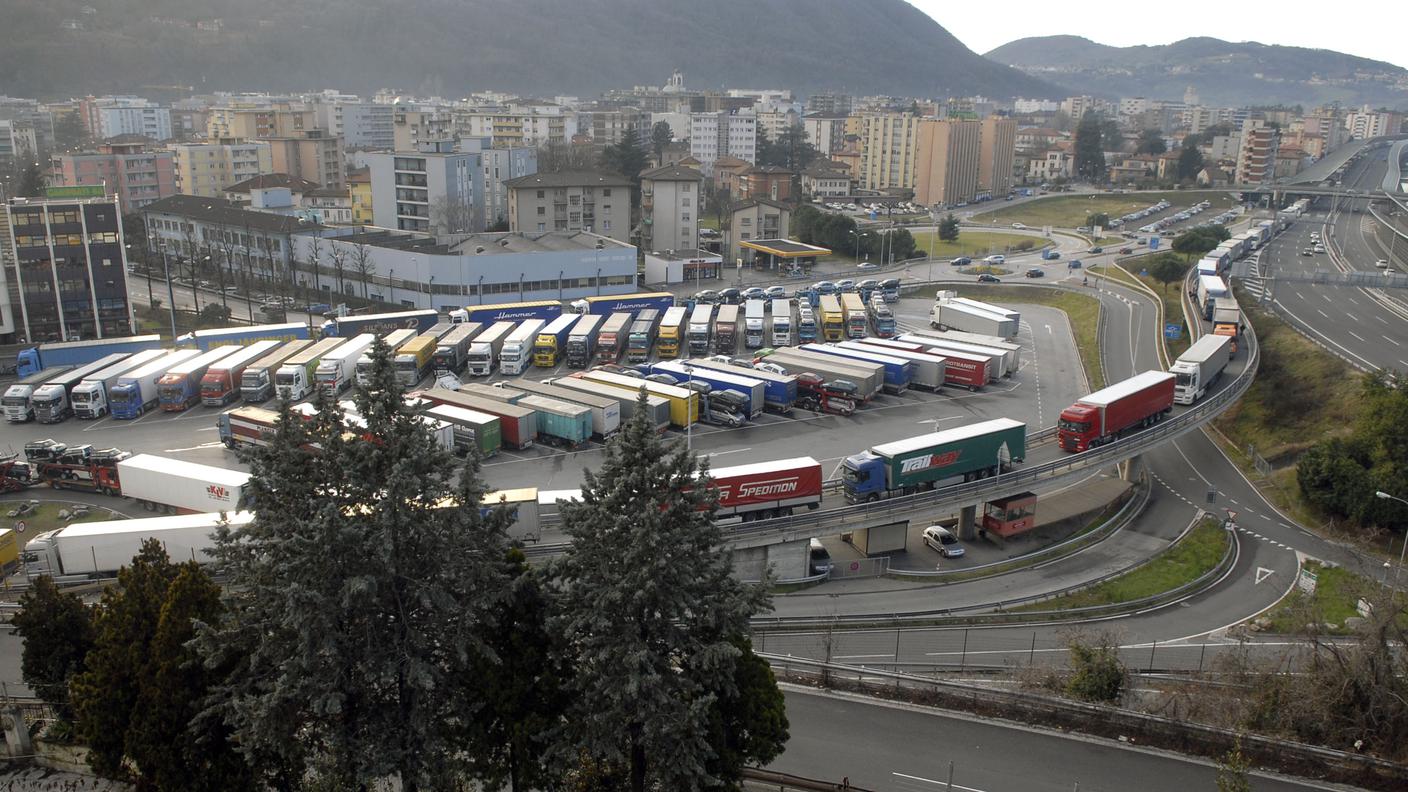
{"x": 410, "y": 128}
{"x": 593, "y": 201}
{"x": 757, "y": 218}
{"x": 247, "y": 121}
{"x": 313, "y": 155}
{"x": 826, "y": 179}
{"x": 889, "y": 149}
{"x": 112, "y": 116}
{"x": 359, "y": 187}
{"x": 722, "y": 134}
{"x": 826, "y": 133}
{"x": 830, "y": 104}
{"x": 436, "y": 189}
{"x": 531, "y": 127}
{"x": 767, "y": 181}
{"x": 1365, "y": 123}
{"x": 128, "y": 169}
{"x": 947, "y": 161}
{"x": 997, "y": 148}
{"x": 1256, "y": 157}
{"x": 208, "y": 169}
{"x": 500, "y": 166}
{"x": 671, "y": 200}
{"x": 64, "y": 276}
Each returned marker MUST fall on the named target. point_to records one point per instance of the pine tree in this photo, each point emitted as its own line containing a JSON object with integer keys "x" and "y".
{"x": 32, "y": 182}
{"x": 750, "y": 722}
{"x": 948, "y": 228}
{"x": 1090, "y": 150}
{"x": 650, "y": 610}
{"x": 105, "y": 696}
{"x": 57, "y": 630}
{"x": 360, "y": 595}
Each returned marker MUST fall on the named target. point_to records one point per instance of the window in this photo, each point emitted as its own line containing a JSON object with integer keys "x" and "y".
{"x": 542, "y": 194}
{"x": 542, "y": 210}
{"x": 684, "y": 202}
{"x": 606, "y": 225}
{"x": 605, "y": 192}
{"x": 684, "y": 218}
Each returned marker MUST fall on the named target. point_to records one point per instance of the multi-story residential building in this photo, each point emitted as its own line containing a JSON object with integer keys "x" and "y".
{"x": 410, "y": 128}
{"x": 17, "y": 141}
{"x": 1364, "y": 123}
{"x": 112, "y": 116}
{"x": 209, "y": 168}
{"x": 314, "y": 155}
{"x": 720, "y": 134}
{"x": 500, "y": 166}
{"x": 128, "y": 169}
{"x": 827, "y": 133}
{"x": 1077, "y": 106}
{"x": 434, "y": 189}
{"x": 997, "y": 142}
{"x": 830, "y": 104}
{"x": 359, "y": 187}
{"x": 609, "y": 124}
{"x": 757, "y": 218}
{"x": 947, "y": 161}
{"x": 670, "y": 203}
{"x": 728, "y": 171}
{"x": 1034, "y": 106}
{"x": 1222, "y": 147}
{"x": 774, "y": 122}
{"x": 1053, "y": 164}
{"x": 767, "y": 181}
{"x": 243, "y": 193}
{"x": 534, "y": 125}
{"x": 64, "y": 273}
{"x": 279, "y": 119}
{"x": 1256, "y": 157}
{"x": 889, "y": 149}
{"x": 364, "y": 125}
{"x": 188, "y": 119}
{"x": 593, "y": 201}
{"x": 826, "y": 179}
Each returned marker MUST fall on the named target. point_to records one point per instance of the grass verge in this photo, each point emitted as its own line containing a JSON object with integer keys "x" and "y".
{"x": 1070, "y": 211}
{"x": 1194, "y": 556}
{"x": 984, "y": 269}
{"x": 45, "y": 517}
{"x": 1336, "y": 598}
{"x": 975, "y": 244}
{"x": 1082, "y": 311}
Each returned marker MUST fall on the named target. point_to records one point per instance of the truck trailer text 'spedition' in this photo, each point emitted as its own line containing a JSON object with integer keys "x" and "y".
{"x": 1107, "y": 414}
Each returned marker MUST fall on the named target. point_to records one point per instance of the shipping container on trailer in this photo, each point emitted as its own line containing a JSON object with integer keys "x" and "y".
{"x": 779, "y": 390}
{"x": 484, "y": 349}
{"x": 904, "y": 467}
{"x": 472, "y": 429}
{"x": 684, "y": 403}
{"x": 657, "y": 407}
{"x": 897, "y": 372}
{"x": 519, "y": 426}
{"x": 1109, "y": 413}
{"x": 606, "y": 411}
{"x": 221, "y": 383}
{"x": 257, "y": 381}
{"x": 221, "y": 336}
{"x": 453, "y": 349}
{"x": 90, "y": 397}
{"x": 560, "y": 422}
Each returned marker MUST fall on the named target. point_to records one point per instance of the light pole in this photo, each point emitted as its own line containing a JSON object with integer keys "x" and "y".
{"x": 431, "y": 296}
{"x": 391, "y": 284}
{"x": 689, "y": 423}
{"x": 1381, "y": 495}
{"x": 560, "y": 273}
{"x": 170, "y": 293}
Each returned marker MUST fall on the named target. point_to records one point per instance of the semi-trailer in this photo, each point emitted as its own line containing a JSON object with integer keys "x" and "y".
{"x": 750, "y": 388}
{"x": 221, "y": 383}
{"x": 833, "y": 317}
{"x": 175, "y": 485}
{"x": 246, "y": 426}
{"x": 857, "y": 320}
{"x": 996, "y": 358}
{"x": 607, "y": 304}
{"x": 1227, "y": 320}
{"x": 337, "y": 370}
{"x": 52, "y": 401}
{"x": 100, "y": 549}
{"x": 1012, "y": 351}
{"x": 868, "y": 378}
{"x": 394, "y": 340}
{"x": 453, "y": 349}
{"x": 382, "y": 323}
{"x": 179, "y": 388}
{"x": 294, "y": 379}
{"x": 673, "y": 328}
{"x": 881, "y": 317}
{"x": 1014, "y": 316}
{"x": 136, "y": 391}
{"x": 34, "y": 359}
{"x": 412, "y": 359}
{"x": 684, "y": 403}
{"x": 956, "y": 316}
{"x": 551, "y": 345}
{"x": 781, "y": 322}
{"x": 257, "y": 381}
{"x": 764, "y": 490}
{"x": 519, "y": 425}
{"x": 960, "y": 370}
{"x": 1109, "y": 413}
{"x": 581, "y": 342}
{"x": 560, "y": 422}
{"x": 1210, "y": 288}
{"x": 16, "y": 400}
{"x": 726, "y": 330}
{"x": 547, "y": 310}
{"x": 471, "y": 430}
{"x": 90, "y": 397}
{"x": 904, "y": 467}
{"x": 606, "y": 411}
{"x": 779, "y": 390}
{"x": 927, "y": 371}
{"x": 701, "y": 329}
{"x": 483, "y": 355}
{"x": 1199, "y": 367}
{"x": 754, "y": 323}
{"x": 657, "y": 407}
{"x": 641, "y": 338}
{"x": 516, "y": 355}
{"x": 205, "y": 340}
{"x": 611, "y": 341}
{"x": 896, "y": 372}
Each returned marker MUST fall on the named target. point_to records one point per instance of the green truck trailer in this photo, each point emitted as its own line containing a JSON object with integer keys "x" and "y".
{"x": 907, "y": 466}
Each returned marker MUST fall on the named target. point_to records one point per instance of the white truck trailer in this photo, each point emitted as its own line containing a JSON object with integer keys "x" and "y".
{"x": 174, "y": 485}
{"x": 99, "y": 549}
{"x": 1199, "y": 367}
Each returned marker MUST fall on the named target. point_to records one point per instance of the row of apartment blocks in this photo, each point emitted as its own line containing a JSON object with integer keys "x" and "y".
{"x": 943, "y": 160}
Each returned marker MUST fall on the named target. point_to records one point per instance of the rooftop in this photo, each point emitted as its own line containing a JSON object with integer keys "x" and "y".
{"x": 584, "y": 178}
{"x": 784, "y": 248}
{"x": 684, "y": 255}
{"x": 218, "y": 211}
{"x": 672, "y": 173}
{"x": 269, "y": 180}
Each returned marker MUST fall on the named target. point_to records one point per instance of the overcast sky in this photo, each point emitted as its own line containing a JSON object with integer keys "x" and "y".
{"x": 1367, "y": 29}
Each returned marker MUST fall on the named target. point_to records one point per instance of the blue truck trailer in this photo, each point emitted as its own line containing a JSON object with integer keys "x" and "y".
{"x": 205, "y": 340}
{"x": 750, "y": 388}
{"x": 898, "y": 372}
{"x": 606, "y": 305}
{"x": 547, "y": 310}
{"x": 380, "y": 324}
{"x": 78, "y": 353}
{"x": 779, "y": 390}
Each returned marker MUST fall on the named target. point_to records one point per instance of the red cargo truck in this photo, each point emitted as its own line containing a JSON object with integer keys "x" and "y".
{"x": 1105, "y": 415}
{"x": 518, "y": 425}
{"x": 764, "y": 490}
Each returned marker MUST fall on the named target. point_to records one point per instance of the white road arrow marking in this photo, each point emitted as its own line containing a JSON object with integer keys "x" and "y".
{"x": 1262, "y": 573}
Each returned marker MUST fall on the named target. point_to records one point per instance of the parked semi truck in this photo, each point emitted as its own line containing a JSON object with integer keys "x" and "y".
{"x": 726, "y": 330}
{"x": 484, "y": 349}
{"x": 606, "y": 411}
{"x": 628, "y": 303}
{"x": 896, "y": 372}
{"x": 381, "y": 324}
{"x": 1107, "y": 414}
{"x": 452, "y": 351}
{"x": 1227, "y": 320}
{"x": 137, "y": 391}
{"x": 581, "y": 342}
{"x": 1210, "y": 288}
{"x": 100, "y": 549}
{"x": 1199, "y": 367}
{"x": 337, "y": 369}
{"x": 294, "y": 379}
{"x": 246, "y": 426}
{"x": 779, "y": 390}
{"x": 701, "y": 329}
{"x": 221, "y": 383}
{"x": 412, "y": 359}
{"x": 1014, "y": 318}
{"x": 179, "y": 388}
{"x": 857, "y": 320}
{"x": 90, "y": 397}
{"x": 52, "y": 401}
{"x": 641, "y": 338}
{"x": 907, "y": 466}
{"x": 257, "y": 381}
{"x": 205, "y": 340}
{"x": 34, "y": 359}
{"x": 516, "y": 355}
{"x": 394, "y": 340}
{"x": 1012, "y": 352}
{"x": 781, "y": 322}
{"x": 833, "y": 317}
{"x": 547, "y": 310}
{"x": 611, "y": 341}
{"x": 16, "y": 400}
{"x": 176, "y": 485}
{"x": 673, "y": 328}
{"x": 764, "y": 490}
{"x": 956, "y": 316}
{"x": 868, "y": 378}
{"x": 750, "y": 388}
{"x": 754, "y": 323}
{"x": 551, "y": 345}
{"x": 684, "y": 403}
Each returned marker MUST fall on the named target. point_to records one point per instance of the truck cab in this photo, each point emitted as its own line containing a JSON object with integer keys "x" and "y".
{"x": 863, "y": 477}
{"x": 1078, "y": 427}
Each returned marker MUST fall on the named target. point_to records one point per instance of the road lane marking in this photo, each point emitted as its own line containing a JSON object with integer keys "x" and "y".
{"x": 1356, "y": 335}
{"x": 1322, "y": 313}
{"x": 944, "y": 784}
{"x": 216, "y": 444}
{"x": 1391, "y": 341}
{"x": 712, "y": 454}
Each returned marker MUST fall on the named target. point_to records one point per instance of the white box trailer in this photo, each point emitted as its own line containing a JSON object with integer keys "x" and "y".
{"x": 992, "y": 308}
{"x": 99, "y": 549}
{"x": 90, "y": 397}
{"x": 927, "y": 371}
{"x": 337, "y": 370}
{"x": 997, "y": 359}
{"x": 1199, "y": 367}
{"x": 483, "y": 355}
{"x": 955, "y": 316}
{"x": 176, "y": 485}
{"x": 1013, "y": 351}
{"x": 658, "y": 406}
{"x": 868, "y": 377}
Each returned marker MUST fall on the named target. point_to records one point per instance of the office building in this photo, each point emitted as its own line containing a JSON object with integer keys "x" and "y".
{"x": 64, "y": 276}
{"x": 670, "y": 202}
{"x": 593, "y": 201}
{"x": 208, "y": 169}
{"x": 129, "y": 169}
{"x": 997, "y": 147}
{"x": 946, "y": 162}
{"x": 722, "y": 134}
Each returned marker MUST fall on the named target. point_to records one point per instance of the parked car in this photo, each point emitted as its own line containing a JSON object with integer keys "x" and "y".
{"x": 825, "y": 287}
{"x": 730, "y": 296}
{"x": 846, "y": 285}
{"x": 754, "y": 293}
{"x": 706, "y": 297}
{"x": 775, "y": 292}
{"x": 1035, "y": 272}
{"x": 943, "y": 540}
{"x": 986, "y": 278}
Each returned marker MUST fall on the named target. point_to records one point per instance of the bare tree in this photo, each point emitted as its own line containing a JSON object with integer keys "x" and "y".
{"x": 452, "y": 214}
{"x": 363, "y": 264}
{"x": 559, "y": 157}
{"x": 191, "y": 247}
{"x": 338, "y": 257}
{"x": 315, "y": 262}
{"x": 276, "y": 284}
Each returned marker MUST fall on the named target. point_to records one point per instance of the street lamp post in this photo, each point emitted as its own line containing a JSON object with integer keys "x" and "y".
{"x": 689, "y": 424}
{"x": 391, "y": 284}
{"x": 431, "y": 296}
{"x": 1381, "y": 495}
{"x": 170, "y": 293}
